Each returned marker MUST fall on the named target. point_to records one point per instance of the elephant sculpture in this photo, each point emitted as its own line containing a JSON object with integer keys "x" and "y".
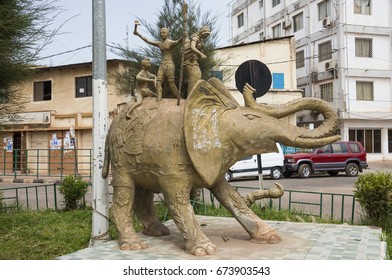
{"x": 162, "y": 147}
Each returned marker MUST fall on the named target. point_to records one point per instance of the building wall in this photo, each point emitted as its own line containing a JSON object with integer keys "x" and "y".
{"x": 63, "y": 111}
{"x": 345, "y": 26}
{"x": 278, "y": 55}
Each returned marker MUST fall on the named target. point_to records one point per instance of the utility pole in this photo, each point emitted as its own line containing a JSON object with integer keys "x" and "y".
{"x": 100, "y": 223}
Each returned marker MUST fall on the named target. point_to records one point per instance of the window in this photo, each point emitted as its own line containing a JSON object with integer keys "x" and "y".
{"x": 43, "y": 91}
{"x": 327, "y": 92}
{"x": 278, "y": 80}
{"x": 363, "y": 47}
{"x": 325, "y": 51}
{"x": 338, "y": 148}
{"x": 369, "y": 138}
{"x": 362, "y": 7}
{"x": 298, "y": 22}
{"x": 365, "y": 91}
{"x": 276, "y": 31}
{"x": 354, "y": 148}
{"x": 300, "y": 59}
{"x": 390, "y": 140}
{"x": 240, "y": 20}
{"x": 324, "y": 9}
{"x": 275, "y": 3}
{"x": 83, "y": 86}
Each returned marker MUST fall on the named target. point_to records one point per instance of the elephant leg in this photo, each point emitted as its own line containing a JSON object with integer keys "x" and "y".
{"x": 259, "y": 230}
{"x": 123, "y": 200}
{"x": 145, "y": 210}
{"x": 180, "y": 208}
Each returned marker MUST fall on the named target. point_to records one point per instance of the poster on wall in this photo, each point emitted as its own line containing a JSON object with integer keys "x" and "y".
{"x": 8, "y": 144}
{"x": 55, "y": 143}
{"x": 69, "y": 143}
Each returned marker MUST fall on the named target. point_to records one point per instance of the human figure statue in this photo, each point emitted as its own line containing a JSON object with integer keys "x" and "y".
{"x": 143, "y": 79}
{"x": 166, "y": 69}
{"x": 193, "y": 52}
{"x": 134, "y": 130}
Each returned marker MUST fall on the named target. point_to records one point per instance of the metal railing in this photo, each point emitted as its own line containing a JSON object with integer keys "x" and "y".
{"x": 46, "y": 162}
{"x": 324, "y": 205}
{"x": 31, "y": 197}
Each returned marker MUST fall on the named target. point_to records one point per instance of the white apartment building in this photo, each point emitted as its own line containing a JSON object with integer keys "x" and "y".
{"x": 343, "y": 55}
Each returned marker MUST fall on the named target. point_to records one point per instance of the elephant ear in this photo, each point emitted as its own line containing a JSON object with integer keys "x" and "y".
{"x": 202, "y": 128}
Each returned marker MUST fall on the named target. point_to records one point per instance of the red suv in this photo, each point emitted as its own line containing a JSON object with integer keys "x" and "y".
{"x": 341, "y": 156}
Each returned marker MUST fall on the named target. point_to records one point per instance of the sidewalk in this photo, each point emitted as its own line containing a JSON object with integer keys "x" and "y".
{"x": 300, "y": 241}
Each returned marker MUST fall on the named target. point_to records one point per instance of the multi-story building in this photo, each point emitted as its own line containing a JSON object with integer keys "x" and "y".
{"x": 343, "y": 55}
{"x": 56, "y": 120}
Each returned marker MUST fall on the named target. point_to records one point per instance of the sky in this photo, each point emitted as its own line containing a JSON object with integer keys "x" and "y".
{"x": 76, "y": 30}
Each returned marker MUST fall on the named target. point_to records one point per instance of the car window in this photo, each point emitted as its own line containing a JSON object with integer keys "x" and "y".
{"x": 247, "y": 158}
{"x": 354, "y": 148}
{"x": 338, "y": 148}
{"x": 326, "y": 149}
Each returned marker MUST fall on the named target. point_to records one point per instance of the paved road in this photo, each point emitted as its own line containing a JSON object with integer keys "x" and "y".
{"x": 321, "y": 183}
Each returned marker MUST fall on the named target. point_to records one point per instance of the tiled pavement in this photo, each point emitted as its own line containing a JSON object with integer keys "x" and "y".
{"x": 301, "y": 241}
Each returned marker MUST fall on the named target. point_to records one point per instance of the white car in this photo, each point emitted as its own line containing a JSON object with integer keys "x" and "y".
{"x": 272, "y": 165}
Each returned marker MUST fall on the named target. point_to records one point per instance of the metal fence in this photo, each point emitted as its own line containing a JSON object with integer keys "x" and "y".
{"x": 46, "y": 162}
{"x": 332, "y": 206}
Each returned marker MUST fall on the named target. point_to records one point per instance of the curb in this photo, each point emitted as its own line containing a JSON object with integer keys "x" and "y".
{"x": 28, "y": 180}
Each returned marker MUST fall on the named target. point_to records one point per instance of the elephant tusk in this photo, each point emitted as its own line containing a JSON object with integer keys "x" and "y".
{"x": 275, "y": 192}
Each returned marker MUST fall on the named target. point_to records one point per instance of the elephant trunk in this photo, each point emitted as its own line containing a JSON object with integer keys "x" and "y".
{"x": 328, "y": 126}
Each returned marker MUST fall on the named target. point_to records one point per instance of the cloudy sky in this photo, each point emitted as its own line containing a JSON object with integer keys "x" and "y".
{"x": 76, "y": 31}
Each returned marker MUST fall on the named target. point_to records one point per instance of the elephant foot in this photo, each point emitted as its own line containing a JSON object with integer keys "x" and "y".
{"x": 131, "y": 241}
{"x": 269, "y": 236}
{"x": 156, "y": 230}
{"x": 201, "y": 249}
{"x": 132, "y": 244}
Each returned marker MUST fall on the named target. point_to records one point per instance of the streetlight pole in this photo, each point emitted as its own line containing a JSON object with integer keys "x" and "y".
{"x": 100, "y": 219}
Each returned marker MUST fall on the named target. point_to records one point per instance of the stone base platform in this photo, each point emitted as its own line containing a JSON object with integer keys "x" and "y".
{"x": 301, "y": 241}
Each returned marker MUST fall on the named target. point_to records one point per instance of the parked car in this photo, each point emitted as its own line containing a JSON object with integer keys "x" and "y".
{"x": 341, "y": 156}
{"x": 272, "y": 165}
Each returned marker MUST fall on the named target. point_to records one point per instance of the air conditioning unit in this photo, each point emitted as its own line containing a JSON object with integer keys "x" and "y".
{"x": 330, "y": 65}
{"x": 286, "y": 24}
{"x": 327, "y": 22}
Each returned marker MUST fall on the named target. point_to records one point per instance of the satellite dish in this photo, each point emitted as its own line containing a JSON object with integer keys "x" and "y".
{"x": 256, "y": 74}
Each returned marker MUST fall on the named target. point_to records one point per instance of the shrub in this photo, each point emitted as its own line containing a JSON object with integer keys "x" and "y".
{"x": 374, "y": 193}
{"x": 73, "y": 189}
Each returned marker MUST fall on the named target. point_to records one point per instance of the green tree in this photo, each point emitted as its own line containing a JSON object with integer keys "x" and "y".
{"x": 24, "y": 32}
{"x": 171, "y": 17}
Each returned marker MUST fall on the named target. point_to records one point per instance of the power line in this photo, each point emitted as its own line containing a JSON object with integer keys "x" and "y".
{"x": 57, "y": 54}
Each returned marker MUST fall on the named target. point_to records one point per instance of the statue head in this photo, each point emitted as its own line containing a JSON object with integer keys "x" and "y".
{"x": 146, "y": 64}
{"x": 204, "y": 32}
{"x": 164, "y": 33}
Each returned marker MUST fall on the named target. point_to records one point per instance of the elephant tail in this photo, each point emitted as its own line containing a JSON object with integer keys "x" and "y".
{"x": 106, "y": 160}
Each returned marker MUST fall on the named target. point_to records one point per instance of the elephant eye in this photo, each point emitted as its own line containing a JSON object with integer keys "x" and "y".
{"x": 251, "y": 116}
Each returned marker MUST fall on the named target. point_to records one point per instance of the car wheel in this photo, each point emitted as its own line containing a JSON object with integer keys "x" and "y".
{"x": 333, "y": 173}
{"x": 287, "y": 174}
{"x": 276, "y": 173}
{"x": 304, "y": 171}
{"x": 352, "y": 169}
{"x": 228, "y": 176}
